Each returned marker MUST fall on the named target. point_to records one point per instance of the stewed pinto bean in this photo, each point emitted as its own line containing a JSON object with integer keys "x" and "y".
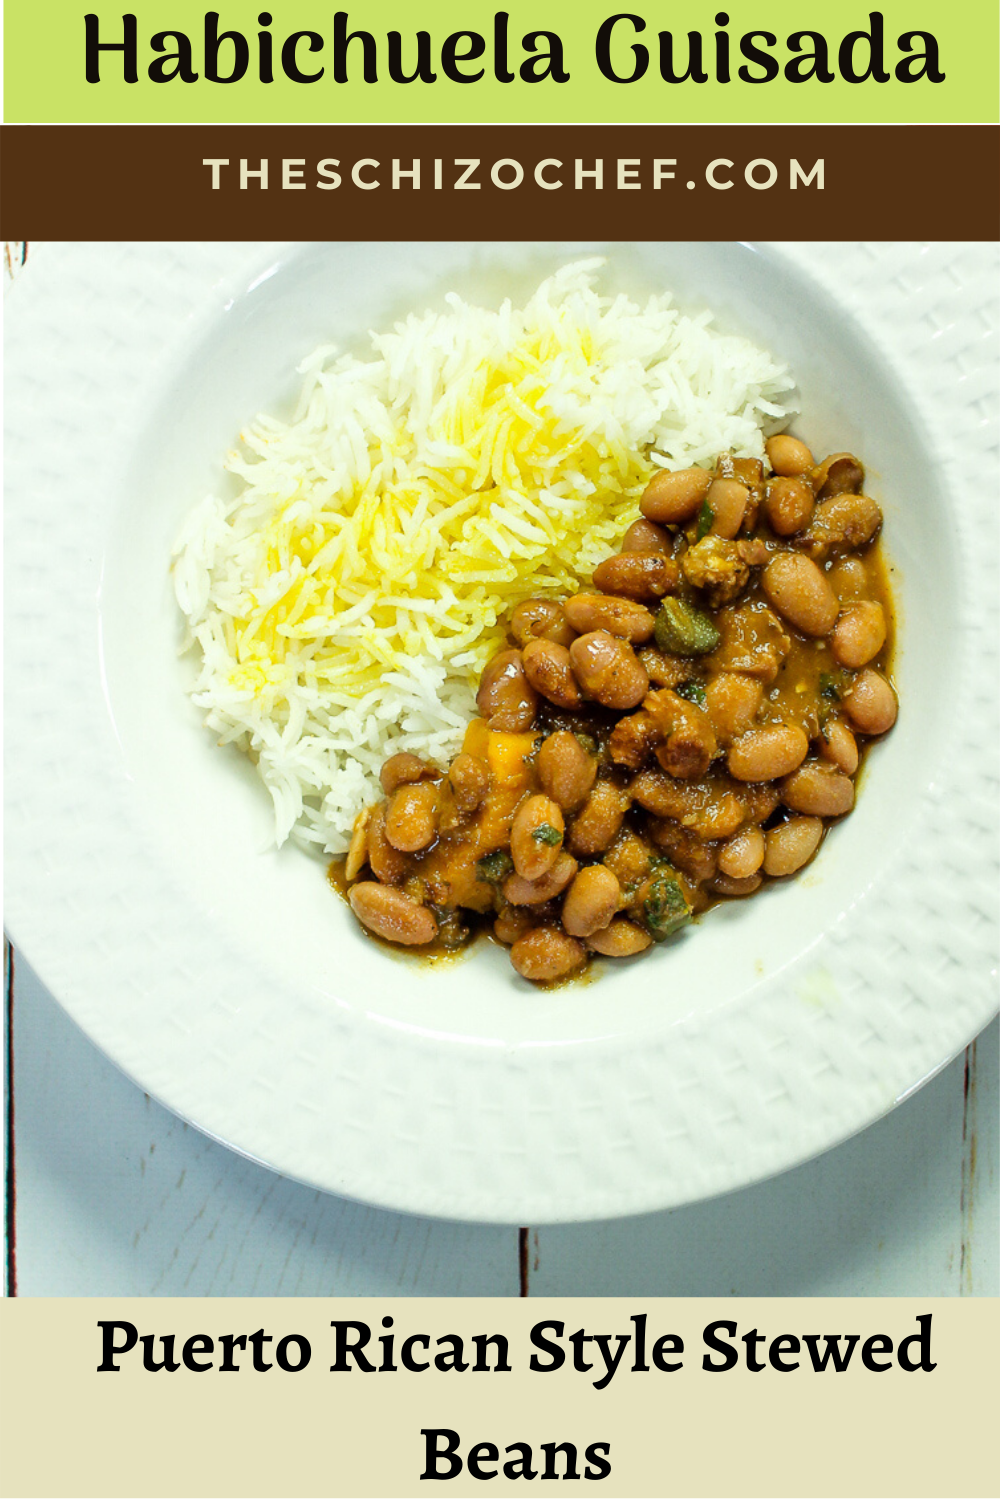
{"x": 791, "y": 845}
{"x": 848, "y": 578}
{"x": 620, "y": 939}
{"x": 589, "y": 814}
{"x": 637, "y": 575}
{"x": 788, "y": 455}
{"x": 548, "y": 669}
{"x": 506, "y": 698}
{"x": 819, "y": 789}
{"x": 841, "y": 524}
{"x": 608, "y": 670}
{"x": 646, "y": 536}
{"x": 766, "y": 753}
{"x": 674, "y": 497}
{"x": 788, "y": 504}
{"x": 469, "y": 779}
{"x": 859, "y": 634}
{"x": 513, "y": 922}
{"x": 731, "y": 885}
{"x": 727, "y": 500}
{"x": 536, "y": 837}
{"x": 392, "y": 915}
{"x": 521, "y": 892}
{"x": 386, "y": 861}
{"x": 800, "y": 591}
{"x": 625, "y": 618}
{"x": 565, "y": 769}
{"x": 839, "y": 746}
{"x": 591, "y": 901}
{"x": 743, "y": 854}
{"x": 546, "y": 954}
{"x": 871, "y": 703}
{"x": 411, "y": 817}
{"x": 402, "y": 768}
{"x": 599, "y": 819}
{"x": 540, "y": 619}
{"x": 838, "y": 474}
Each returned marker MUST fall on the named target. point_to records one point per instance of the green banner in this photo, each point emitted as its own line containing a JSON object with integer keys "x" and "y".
{"x": 559, "y": 60}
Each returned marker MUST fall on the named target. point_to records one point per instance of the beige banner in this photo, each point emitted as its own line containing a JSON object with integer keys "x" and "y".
{"x": 218, "y": 1426}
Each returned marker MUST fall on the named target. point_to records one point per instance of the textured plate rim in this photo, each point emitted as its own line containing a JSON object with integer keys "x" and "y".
{"x": 883, "y": 1057}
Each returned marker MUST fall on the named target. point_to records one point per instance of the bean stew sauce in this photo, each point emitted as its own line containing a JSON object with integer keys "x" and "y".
{"x": 684, "y": 731}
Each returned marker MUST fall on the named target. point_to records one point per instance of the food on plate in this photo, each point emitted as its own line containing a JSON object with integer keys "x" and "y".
{"x": 682, "y": 729}
{"x": 540, "y": 620}
{"x": 343, "y": 604}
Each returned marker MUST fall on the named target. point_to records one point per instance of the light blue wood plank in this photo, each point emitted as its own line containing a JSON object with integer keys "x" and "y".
{"x": 116, "y": 1196}
{"x": 908, "y": 1208}
{"x": 979, "y": 1258}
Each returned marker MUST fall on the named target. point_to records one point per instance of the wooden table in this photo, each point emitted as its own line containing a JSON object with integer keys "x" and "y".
{"x": 113, "y": 1195}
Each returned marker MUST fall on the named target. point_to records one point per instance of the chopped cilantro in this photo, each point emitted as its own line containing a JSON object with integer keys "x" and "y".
{"x": 495, "y": 867}
{"x": 706, "y": 520}
{"x": 665, "y": 909}
{"x": 829, "y": 688}
{"x": 693, "y": 691}
{"x": 546, "y": 834}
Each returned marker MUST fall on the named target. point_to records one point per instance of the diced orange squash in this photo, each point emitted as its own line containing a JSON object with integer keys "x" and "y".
{"x": 477, "y": 738}
{"x": 507, "y": 756}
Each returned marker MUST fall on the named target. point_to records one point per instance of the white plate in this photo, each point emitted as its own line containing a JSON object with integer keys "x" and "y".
{"x": 229, "y": 981}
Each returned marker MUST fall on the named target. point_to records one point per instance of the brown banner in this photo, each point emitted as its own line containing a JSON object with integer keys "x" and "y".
{"x": 641, "y": 182}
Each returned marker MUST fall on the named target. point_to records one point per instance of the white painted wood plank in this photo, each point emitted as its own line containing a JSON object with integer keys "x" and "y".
{"x": 908, "y": 1208}
{"x": 116, "y": 1196}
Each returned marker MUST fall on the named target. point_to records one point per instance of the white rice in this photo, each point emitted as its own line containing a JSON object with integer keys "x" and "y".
{"x": 345, "y": 602}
